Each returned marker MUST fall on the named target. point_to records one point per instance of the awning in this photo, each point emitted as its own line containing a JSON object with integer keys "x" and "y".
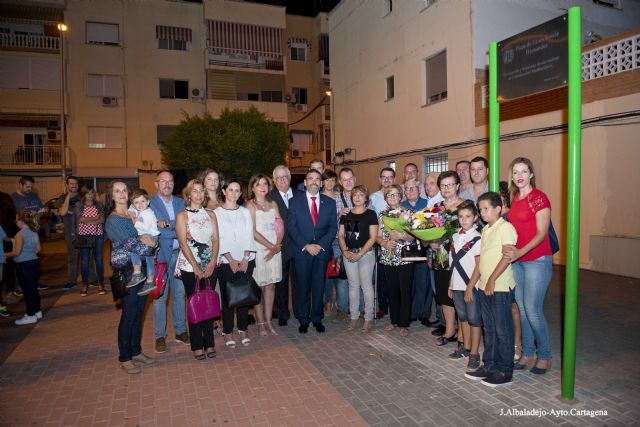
{"x": 299, "y": 40}
{"x": 245, "y": 37}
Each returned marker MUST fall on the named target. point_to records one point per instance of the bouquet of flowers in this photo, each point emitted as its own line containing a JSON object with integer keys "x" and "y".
{"x": 431, "y": 224}
{"x": 396, "y": 219}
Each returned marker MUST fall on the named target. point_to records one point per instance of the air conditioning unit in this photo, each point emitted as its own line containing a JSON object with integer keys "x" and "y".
{"x": 296, "y": 154}
{"x": 197, "y": 93}
{"x": 109, "y": 101}
{"x": 300, "y": 108}
{"x": 53, "y": 135}
{"x": 290, "y": 98}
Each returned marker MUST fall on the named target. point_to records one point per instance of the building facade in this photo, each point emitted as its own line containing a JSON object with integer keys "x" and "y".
{"x": 133, "y": 69}
{"x": 410, "y": 85}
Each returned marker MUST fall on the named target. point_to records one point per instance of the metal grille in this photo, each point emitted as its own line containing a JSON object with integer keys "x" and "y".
{"x": 438, "y": 163}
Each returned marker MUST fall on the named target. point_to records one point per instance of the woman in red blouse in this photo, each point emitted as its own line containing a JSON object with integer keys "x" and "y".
{"x": 530, "y": 214}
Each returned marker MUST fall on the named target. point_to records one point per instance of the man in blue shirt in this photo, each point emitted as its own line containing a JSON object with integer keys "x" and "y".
{"x": 24, "y": 199}
{"x": 412, "y": 199}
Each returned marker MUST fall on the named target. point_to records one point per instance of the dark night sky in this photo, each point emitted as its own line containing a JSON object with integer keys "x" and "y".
{"x": 302, "y": 7}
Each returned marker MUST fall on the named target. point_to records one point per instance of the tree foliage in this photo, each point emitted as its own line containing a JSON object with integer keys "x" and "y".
{"x": 238, "y": 144}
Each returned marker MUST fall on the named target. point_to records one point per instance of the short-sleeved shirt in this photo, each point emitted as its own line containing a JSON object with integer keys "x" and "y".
{"x": 468, "y": 260}
{"x": 26, "y": 202}
{"x": 493, "y": 237}
{"x": 469, "y": 193}
{"x": 356, "y": 227}
{"x": 68, "y": 219}
{"x": 523, "y": 217}
{"x": 421, "y": 203}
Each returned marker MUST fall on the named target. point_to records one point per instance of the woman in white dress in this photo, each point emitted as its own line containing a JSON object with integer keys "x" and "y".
{"x": 268, "y": 232}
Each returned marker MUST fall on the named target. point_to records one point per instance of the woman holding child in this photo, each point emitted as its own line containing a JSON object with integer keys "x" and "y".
{"x": 124, "y": 239}
{"x": 530, "y": 214}
{"x": 197, "y": 231}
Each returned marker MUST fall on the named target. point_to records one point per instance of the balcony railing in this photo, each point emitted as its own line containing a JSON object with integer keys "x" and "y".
{"x": 17, "y": 154}
{"x": 29, "y": 41}
{"x": 612, "y": 58}
{"x": 240, "y": 58}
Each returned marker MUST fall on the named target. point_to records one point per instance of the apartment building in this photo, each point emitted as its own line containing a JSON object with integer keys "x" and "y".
{"x": 133, "y": 69}
{"x": 410, "y": 85}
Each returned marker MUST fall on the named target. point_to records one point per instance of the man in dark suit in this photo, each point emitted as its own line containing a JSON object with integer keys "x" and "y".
{"x": 282, "y": 193}
{"x": 312, "y": 227}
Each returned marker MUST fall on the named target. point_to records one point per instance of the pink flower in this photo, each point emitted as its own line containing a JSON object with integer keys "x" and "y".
{"x": 437, "y": 221}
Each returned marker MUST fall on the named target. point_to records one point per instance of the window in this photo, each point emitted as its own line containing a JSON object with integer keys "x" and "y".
{"x": 29, "y": 73}
{"x": 173, "y": 38}
{"x": 100, "y": 33}
{"x": 391, "y": 164}
{"x": 104, "y": 85}
{"x": 105, "y": 137}
{"x": 301, "y": 95}
{"x": 174, "y": 89}
{"x": 388, "y": 7}
{"x": 436, "y": 77}
{"x": 245, "y": 96}
{"x": 437, "y": 163}
{"x": 271, "y": 96}
{"x": 390, "y": 87}
{"x": 298, "y": 53}
{"x": 163, "y": 132}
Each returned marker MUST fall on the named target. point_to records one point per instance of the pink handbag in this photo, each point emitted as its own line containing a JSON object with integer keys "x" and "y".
{"x": 203, "y": 304}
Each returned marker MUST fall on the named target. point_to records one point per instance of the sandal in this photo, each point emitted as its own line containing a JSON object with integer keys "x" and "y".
{"x": 352, "y": 324}
{"x": 366, "y": 326}
{"x": 517, "y": 352}
{"x": 211, "y": 353}
{"x": 262, "y": 329}
{"x": 272, "y": 329}
{"x": 200, "y": 356}
{"x": 404, "y": 332}
{"x": 446, "y": 340}
{"x": 228, "y": 340}
{"x": 245, "y": 338}
{"x": 390, "y": 327}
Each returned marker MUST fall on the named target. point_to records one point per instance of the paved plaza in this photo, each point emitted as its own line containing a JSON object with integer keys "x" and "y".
{"x": 63, "y": 371}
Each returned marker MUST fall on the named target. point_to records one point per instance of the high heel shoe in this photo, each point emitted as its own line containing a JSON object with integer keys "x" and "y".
{"x": 541, "y": 371}
{"x": 272, "y": 329}
{"x": 366, "y": 326}
{"x": 261, "y": 328}
{"x": 523, "y": 363}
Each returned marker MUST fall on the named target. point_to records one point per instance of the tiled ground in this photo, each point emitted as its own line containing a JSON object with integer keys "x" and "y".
{"x": 64, "y": 371}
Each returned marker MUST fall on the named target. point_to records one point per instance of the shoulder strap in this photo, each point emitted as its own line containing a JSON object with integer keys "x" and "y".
{"x": 344, "y": 200}
{"x": 457, "y": 256}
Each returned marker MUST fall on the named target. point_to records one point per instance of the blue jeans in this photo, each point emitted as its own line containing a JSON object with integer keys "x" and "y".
{"x": 468, "y": 311}
{"x": 130, "y": 326}
{"x": 498, "y": 331}
{"x": 178, "y": 307}
{"x": 532, "y": 282}
{"x": 342, "y": 293}
{"x": 85, "y": 256}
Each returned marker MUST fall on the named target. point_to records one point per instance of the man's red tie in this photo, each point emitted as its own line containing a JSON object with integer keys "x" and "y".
{"x": 314, "y": 210}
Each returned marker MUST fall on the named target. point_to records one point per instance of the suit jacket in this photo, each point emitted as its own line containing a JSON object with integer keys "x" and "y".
{"x": 302, "y": 231}
{"x": 284, "y": 214}
{"x": 169, "y": 233}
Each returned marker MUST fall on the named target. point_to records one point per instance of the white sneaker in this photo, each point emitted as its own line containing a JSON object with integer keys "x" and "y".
{"x": 27, "y": 320}
{"x": 39, "y": 314}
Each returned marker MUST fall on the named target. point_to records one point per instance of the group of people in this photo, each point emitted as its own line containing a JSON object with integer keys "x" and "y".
{"x": 488, "y": 280}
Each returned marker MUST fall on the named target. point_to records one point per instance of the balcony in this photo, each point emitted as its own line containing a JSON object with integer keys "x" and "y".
{"x": 31, "y": 42}
{"x": 247, "y": 59}
{"x": 276, "y": 111}
{"x": 19, "y": 156}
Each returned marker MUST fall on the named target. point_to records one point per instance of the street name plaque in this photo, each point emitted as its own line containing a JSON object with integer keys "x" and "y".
{"x": 534, "y": 60}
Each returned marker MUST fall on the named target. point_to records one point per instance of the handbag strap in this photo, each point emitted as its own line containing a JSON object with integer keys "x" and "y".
{"x": 207, "y": 284}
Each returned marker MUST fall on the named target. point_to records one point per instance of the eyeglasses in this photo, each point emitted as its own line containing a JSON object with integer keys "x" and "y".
{"x": 165, "y": 181}
{"x": 447, "y": 186}
{"x": 386, "y": 178}
{"x": 282, "y": 178}
{"x": 393, "y": 195}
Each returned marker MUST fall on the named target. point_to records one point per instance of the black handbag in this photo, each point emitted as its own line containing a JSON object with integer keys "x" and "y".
{"x": 84, "y": 241}
{"x": 242, "y": 291}
{"x": 119, "y": 282}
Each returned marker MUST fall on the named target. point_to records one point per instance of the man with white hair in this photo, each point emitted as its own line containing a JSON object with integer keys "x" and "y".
{"x": 432, "y": 190}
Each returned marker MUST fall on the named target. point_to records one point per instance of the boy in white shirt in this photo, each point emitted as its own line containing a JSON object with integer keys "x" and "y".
{"x": 146, "y": 223}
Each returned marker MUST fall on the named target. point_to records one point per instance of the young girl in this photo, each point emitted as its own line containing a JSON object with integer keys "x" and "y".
{"x": 146, "y": 224}
{"x": 25, "y": 255}
{"x": 463, "y": 257}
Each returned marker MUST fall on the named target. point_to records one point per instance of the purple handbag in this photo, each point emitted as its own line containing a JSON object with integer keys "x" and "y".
{"x": 203, "y": 304}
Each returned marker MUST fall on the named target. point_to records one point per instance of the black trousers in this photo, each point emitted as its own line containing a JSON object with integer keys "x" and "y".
{"x": 242, "y": 313}
{"x": 27, "y": 272}
{"x": 130, "y": 326}
{"x": 399, "y": 288}
{"x": 201, "y": 334}
{"x": 381, "y": 285}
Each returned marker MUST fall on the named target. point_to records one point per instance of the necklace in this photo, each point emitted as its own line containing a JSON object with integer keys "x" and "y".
{"x": 262, "y": 206}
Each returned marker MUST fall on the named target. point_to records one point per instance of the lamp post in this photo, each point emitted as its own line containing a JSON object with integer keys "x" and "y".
{"x": 63, "y": 161}
{"x": 329, "y": 93}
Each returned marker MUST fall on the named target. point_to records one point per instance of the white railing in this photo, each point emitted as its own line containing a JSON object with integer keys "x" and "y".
{"x": 17, "y": 154}
{"x": 244, "y": 58}
{"x": 612, "y": 58}
{"x": 29, "y": 41}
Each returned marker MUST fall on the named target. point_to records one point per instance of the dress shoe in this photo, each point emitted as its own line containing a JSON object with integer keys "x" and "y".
{"x": 439, "y": 331}
{"x": 431, "y": 324}
{"x": 319, "y": 327}
{"x": 282, "y": 322}
{"x": 303, "y": 328}
{"x": 380, "y": 314}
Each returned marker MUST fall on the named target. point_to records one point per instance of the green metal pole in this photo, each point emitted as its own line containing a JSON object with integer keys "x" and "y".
{"x": 574, "y": 78}
{"x": 494, "y": 120}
